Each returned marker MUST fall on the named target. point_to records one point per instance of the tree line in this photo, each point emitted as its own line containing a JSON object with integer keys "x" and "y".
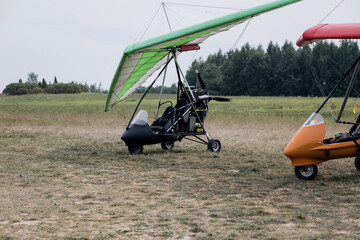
{"x": 34, "y": 86}
{"x": 248, "y": 71}
{"x": 277, "y": 71}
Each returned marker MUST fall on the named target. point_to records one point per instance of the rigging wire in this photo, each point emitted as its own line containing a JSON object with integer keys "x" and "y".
{"x": 167, "y": 18}
{"x": 191, "y": 7}
{"x": 192, "y": 59}
{"x": 312, "y": 68}
{"x": 148, "y": 26}
{"x": 327, "y": 15}
{"x": 196, "y": 11}
{"x": 316, "y": 77}
{"x": 347, "y": 80}
{"x": 164, "y": 6}
{"x": 174, "y": 16}
{"x": 167, "y": 12}
{"x": 318, "y": 82}
{"x": 241, "y": 34}
{"x": 203, "y": 6}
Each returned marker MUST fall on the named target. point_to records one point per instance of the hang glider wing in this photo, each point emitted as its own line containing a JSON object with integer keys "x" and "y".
{"x": 142, "y": 59}
{"x": 329, "y": 31}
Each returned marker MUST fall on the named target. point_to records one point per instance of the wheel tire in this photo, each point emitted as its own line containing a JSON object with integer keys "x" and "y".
{"x": 308, "y": 172}
{"x": 135, "y": 149}
{"x": 167, "y": 145}
{"x": 214, "y": 145}
{"x": 357, "y": 163}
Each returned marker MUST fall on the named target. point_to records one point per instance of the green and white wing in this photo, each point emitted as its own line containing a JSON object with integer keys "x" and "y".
{"x": 140, "y": 60}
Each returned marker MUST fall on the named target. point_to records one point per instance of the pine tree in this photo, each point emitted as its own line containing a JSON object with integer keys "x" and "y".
{"x": 44, "y": 84}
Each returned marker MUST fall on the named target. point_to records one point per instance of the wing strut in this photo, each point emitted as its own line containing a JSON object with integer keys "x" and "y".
{"x": 193, "y": 99}
{"x": 348, "y": 90}
{"x": 162, "y": 88}
{"x": 147, "y": 90}
{"x": 337, "y": 85}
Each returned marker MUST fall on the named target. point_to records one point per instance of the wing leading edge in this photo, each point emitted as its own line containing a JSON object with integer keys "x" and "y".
{"x": 329, "y": 31}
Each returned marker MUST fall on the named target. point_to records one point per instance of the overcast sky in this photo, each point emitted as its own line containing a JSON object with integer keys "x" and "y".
{"x": 83, "y": 40}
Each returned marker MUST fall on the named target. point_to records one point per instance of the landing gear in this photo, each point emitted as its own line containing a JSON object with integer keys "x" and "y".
{"x": 214, "y": 145}
{"x": 308, "y": 172}
{"x": 135, "y": 149}
{"x": 167, "y": 145}
{"x": 357, "y": 163}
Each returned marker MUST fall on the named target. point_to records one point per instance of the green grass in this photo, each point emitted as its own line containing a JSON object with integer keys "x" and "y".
{"x": 62, "y": 163}
{"x": 45, "y": 109}
{"x": 93, "y": 104}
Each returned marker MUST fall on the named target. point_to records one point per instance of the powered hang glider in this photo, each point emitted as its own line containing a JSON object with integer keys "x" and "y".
{"x": 309, "y": 147}
{"x": 186, "y": 118}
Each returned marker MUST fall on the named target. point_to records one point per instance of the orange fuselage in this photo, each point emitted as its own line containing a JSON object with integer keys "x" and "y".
{"x": 307, "y": 147}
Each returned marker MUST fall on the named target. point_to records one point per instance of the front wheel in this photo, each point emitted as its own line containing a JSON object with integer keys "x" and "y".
{"x": 357, "y": 163}
{"x": 214, "y": 145}
{"x": 135, "y": 149}
{"x": 167, "y": 145}
{"x": 308, "y": 172}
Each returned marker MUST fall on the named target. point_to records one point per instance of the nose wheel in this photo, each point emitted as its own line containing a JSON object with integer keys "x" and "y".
{"x": 308, "y": 172}
{"x": 135, "y": 149}
{"x": 214, "y": 145}
{"x": 167, "y": 145}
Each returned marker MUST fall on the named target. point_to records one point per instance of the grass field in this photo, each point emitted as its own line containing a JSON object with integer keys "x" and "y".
{"x": 66, "y": 174}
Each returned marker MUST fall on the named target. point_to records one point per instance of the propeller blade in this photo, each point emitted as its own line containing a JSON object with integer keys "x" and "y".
{"x": 220, "y": 99}
{"x": 201, "y": 81}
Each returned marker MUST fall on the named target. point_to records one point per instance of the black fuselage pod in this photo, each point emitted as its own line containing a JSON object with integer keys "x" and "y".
{"x": 143, "y": 135}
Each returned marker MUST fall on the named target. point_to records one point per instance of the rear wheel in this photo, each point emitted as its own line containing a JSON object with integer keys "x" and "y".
{"x": 214, "y": 145}
{"x": 135, "y": 149}
{"x": 308, "y": 172}
{"x": 167, "y": 145}
{"x": 357, "y": 163}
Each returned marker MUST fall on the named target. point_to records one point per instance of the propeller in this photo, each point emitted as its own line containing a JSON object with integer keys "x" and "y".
{"x": 201, "y": 81}
{"x": 208, "y": 97}
{"x": 220, "y": 99}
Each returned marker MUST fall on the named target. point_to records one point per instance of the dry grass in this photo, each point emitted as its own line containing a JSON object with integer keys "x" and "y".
{"x": 76, "y": 181}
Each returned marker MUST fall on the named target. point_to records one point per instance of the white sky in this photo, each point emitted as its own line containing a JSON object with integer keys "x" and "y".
{"x": 83, "y": 40}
